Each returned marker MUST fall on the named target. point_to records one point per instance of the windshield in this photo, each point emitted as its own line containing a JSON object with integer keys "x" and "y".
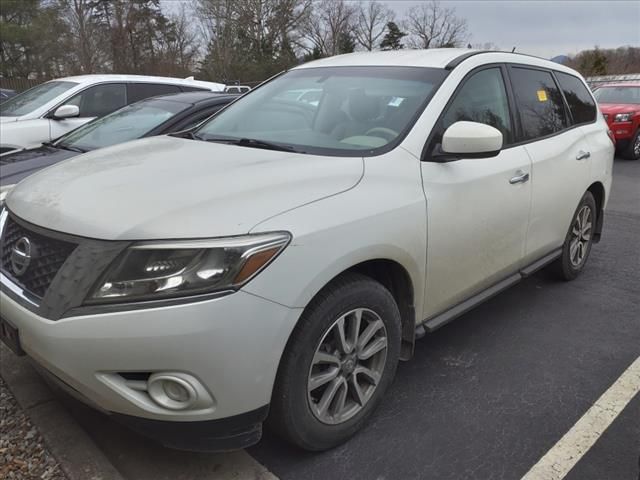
{"x": 27, "y": 102}
{"x": 126, "y": 124}
{"x": 618, "y": 95}
{"x": 329, "y": 110}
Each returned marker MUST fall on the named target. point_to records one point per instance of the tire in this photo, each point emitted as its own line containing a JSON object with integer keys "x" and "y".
{"x": 632, "y": 152}
{"x": 296, "y": 413}
{"x": 579, "y": 240}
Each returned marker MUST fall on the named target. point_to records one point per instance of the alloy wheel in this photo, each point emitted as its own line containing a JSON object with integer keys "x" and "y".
{"x": 580, "y": 236}
{"x": 347, "y": 366}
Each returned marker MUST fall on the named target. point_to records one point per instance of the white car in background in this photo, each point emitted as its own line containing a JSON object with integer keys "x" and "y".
{"x": 47, "y": 111}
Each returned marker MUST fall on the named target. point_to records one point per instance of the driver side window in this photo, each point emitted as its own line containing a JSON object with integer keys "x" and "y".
{"x": 482, "y": 99}
{"x": 100, "y": 100}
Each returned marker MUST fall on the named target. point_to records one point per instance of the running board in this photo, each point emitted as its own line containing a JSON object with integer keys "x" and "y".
{"x": 543, "y": 262}
{"x": 445, "y": 317}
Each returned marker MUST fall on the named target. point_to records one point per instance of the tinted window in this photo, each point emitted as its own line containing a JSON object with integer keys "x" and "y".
{"x": 197, "y": 118}
{"x": 193, "y": 89}
{"x": 361, "y": 109}
{"x": 482, "y": 99}
{"x": 140, "y": 91}
{"x": 539, "y": 103}
{"x": 36, "y": 97}
{"x": 582, "y": 106}
{"x": 618, "y": 94}
{"x": 100, "y": 100}
{"x": 126, "y": 124}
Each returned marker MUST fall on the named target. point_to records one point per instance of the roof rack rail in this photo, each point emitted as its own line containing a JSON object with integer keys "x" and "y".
{"x": 461, "y": 58}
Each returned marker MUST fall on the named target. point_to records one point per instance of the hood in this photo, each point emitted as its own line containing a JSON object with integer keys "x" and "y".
{"x": 613, "y": 108}
{"x": 167, "y": 187}
{"x": 8, "y": 119}
{"x": 16, "y": 166}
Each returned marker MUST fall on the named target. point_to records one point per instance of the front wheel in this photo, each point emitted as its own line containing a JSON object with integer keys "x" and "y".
{"x": 579, "y": 239}
{"x": 340, "y": 360}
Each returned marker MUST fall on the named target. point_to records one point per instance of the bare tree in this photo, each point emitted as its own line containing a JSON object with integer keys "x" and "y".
{"x": 327, "y": 24}
{"x": 85, "y": 37}
{"x": 371, "y": 20}
{"x": 432, "y": 26}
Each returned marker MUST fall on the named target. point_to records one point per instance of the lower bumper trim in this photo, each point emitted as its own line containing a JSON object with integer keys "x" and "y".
{"x": 225, "y": 434}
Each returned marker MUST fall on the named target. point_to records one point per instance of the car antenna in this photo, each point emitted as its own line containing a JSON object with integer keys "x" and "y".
{"x": 513, "y": 49}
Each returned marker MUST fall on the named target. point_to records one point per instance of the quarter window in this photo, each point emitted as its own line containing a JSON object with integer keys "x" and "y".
{"x": 100, "y": 100}
{"x": 539, "y": 103}
{"x": 581, "y": 104}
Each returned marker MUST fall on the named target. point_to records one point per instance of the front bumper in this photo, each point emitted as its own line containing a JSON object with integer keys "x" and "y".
{"x": 231, "y": 345}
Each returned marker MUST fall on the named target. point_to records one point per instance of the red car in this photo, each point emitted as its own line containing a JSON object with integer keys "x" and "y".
{"x": 620, "y": 104}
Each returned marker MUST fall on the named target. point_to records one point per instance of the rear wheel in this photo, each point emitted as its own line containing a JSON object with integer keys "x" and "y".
{"x": 632, "y": 152}
{"x": 579, "y": 239}
{"x": 340, "y": 360}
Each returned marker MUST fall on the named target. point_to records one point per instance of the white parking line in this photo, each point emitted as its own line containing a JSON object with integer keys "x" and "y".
{"x": 558, "y": 461}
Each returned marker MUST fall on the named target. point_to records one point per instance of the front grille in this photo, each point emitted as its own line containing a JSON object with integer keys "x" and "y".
{"x": 47, "y": 256}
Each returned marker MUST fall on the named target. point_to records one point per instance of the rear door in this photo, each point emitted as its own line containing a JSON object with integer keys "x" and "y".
{"x": 560, "y": 158}
{"x": 477, "y": 209}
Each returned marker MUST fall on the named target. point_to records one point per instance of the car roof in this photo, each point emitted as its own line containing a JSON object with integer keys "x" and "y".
{"x": 97, "y": 78}
{"x": 619, "y": 84}
{"x": 196, "y": 97}
{"x": 447, "y": 58}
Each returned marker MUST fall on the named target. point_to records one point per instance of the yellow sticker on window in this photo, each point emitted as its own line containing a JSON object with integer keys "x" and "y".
{"x": 542, "y": 96}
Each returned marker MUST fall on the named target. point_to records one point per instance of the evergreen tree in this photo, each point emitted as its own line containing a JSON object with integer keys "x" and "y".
{"x": 393, "y": 38}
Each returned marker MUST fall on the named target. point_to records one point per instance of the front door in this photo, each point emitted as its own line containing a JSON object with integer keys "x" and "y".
{"x": 477, "y": 209}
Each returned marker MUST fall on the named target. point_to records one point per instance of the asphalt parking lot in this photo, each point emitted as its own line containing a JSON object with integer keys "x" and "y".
{"x": 484, "y": 397}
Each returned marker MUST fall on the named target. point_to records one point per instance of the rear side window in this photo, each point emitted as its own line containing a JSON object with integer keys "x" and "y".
{"x": 140, "y": 91}
{"x": 193, "y": 89}
{"x": 581, "y": 105}
{"x": 539, "y": 103}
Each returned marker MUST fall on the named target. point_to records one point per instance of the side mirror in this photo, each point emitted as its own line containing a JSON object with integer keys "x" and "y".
{"x": 66, "y": 111}
{"x": 471, "y": 140}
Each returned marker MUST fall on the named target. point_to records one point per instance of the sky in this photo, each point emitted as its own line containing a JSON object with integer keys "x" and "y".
{"x": 545, "y": 28}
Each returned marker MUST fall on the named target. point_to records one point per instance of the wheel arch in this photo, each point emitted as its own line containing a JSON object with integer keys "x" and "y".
{"x": 395, "y": 278}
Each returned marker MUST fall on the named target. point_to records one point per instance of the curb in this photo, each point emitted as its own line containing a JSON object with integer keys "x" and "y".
{"x": 78, "y": 456}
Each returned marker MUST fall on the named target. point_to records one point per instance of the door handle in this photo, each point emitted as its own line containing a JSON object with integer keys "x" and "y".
{"x": 582, "y": 155}
{"x": 521, "y": 177}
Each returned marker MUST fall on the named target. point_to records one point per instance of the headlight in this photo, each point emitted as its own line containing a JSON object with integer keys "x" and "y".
{"x": 154, "y": 270}
{"x": 623, "y": 117}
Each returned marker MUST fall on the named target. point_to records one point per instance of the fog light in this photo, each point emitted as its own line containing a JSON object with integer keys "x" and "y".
{"x": 175, "y": 391}
{"x": 172, "y": 392}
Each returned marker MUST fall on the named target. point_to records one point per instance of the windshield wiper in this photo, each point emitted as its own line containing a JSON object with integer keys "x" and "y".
{"x": 250, "y": 142}
{"x": 70, "y": 148}
{"x": 65, "y": 147}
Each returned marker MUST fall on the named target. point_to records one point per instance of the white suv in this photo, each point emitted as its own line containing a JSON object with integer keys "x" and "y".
{"x": 47, "y": 111}
{"x": 280, "y": 260}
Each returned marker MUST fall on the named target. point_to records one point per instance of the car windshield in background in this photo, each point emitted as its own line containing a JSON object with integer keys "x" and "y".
{"x": 27, "y": 102}
{"x": 126, "y": 124}
{"x": 618, "y": 95}
{"x": 328, "y": 110}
